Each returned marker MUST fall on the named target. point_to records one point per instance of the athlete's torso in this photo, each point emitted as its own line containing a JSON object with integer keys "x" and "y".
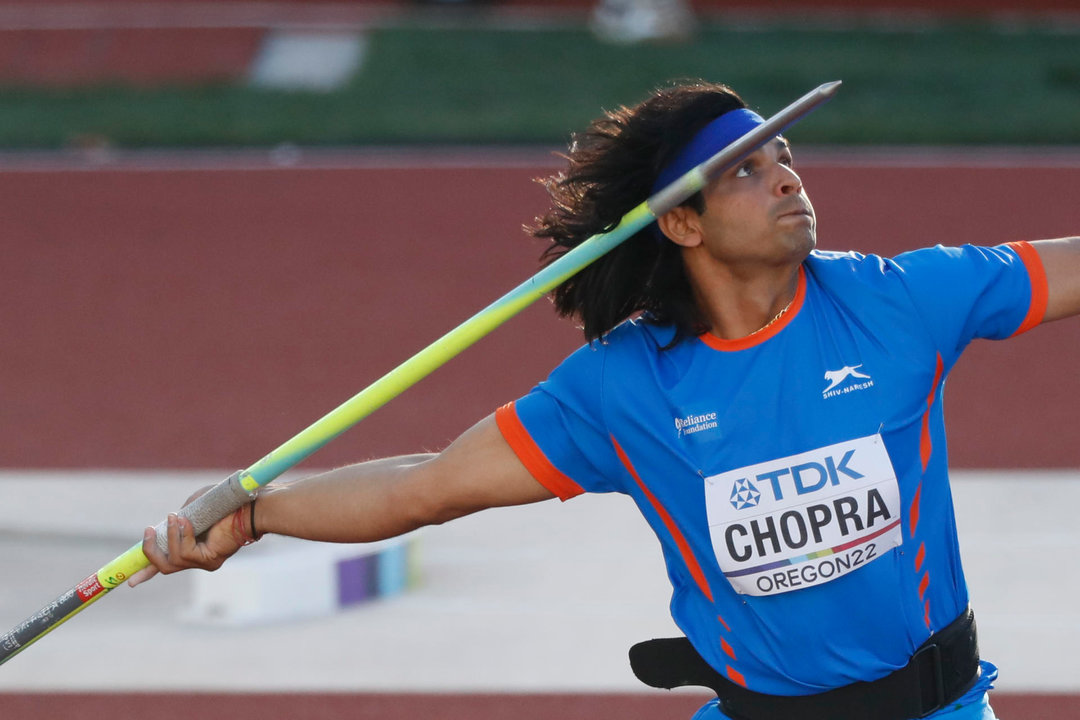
{"x": 798, "y": 483}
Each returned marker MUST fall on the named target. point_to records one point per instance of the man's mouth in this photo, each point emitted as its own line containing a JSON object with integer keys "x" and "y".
{"x": 797, "y": 212}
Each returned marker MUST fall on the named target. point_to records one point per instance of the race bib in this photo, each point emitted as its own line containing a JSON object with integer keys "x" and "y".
{"x": 804, "y": 520}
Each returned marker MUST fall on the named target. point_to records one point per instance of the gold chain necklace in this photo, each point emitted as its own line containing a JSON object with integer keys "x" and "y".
{"x": 777, "y": 317}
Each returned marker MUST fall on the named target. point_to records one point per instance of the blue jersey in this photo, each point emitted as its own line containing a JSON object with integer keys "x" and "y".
{"x": 797, "y": 478}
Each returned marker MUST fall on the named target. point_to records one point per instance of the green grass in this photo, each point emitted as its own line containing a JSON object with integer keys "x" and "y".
{"x": 951, "y": 84}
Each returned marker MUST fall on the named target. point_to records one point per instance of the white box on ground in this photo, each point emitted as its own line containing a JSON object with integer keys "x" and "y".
{"x": 281, "y": 579}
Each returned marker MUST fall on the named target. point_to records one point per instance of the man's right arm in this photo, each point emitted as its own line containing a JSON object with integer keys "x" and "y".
{"x": 367, "y": 501}
{"x": 386, "y": 498}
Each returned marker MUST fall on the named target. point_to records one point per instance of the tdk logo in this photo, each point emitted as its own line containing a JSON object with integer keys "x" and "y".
{"x": 744, "y": 494}
{"x": 795, "y": 480}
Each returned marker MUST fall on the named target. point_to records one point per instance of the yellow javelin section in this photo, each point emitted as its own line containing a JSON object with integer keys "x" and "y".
{"x": 123, "y": 567}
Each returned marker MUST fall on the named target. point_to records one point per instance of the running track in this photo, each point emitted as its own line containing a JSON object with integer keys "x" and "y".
{"x": 192, "y": 312}
{"x": 659, "y": 706}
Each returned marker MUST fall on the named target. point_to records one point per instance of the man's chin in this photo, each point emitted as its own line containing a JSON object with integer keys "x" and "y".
{"x": 802, "y": 245}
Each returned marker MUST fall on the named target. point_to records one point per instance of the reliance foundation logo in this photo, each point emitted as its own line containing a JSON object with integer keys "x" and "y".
{"x": 695, "y": 423}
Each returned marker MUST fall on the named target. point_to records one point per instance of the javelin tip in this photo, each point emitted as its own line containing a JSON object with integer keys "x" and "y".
{"x": 830, "y": 88}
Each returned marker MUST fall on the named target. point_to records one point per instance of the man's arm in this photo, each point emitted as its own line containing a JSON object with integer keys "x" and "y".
{"x": 365, "y": 502}
{"x": 1061, "y": 261}
{"x": 381, "y": 499}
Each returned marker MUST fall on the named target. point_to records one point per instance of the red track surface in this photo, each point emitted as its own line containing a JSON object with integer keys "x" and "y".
{"x": 138, "y": 56}
{"x": 658, "y": 706}
{"x": 198, "y": 319}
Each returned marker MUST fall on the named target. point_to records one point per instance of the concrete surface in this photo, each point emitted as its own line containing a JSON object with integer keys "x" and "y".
{"x": 544, "y": 598}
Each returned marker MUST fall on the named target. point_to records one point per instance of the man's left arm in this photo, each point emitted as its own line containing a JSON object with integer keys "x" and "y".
{"x": 1061, "y": 262}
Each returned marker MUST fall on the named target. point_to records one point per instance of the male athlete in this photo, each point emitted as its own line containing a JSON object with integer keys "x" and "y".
{"x": 774, "y": 411}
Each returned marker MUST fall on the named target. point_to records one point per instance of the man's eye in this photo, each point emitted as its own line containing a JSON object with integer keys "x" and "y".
{"x": 745, "y": 170}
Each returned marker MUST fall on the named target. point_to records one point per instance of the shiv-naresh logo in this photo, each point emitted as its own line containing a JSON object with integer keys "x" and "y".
{"x": 839, "y": 381}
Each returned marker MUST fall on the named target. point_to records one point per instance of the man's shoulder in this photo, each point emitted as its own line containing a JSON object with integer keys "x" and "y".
{"x": 840, "y": 260}
{"x": 829, "y": 267}
{"x": 629, "y": 347}
{"x": 635, "y": 334}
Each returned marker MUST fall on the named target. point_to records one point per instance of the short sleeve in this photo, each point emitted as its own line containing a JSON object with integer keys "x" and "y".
{"x": 969, "y": 292}
{"x": 558, "y": 431}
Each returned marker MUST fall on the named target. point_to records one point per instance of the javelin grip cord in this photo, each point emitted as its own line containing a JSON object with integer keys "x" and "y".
{"x": 236, "y": 490}
{"x": 204, "y": 511}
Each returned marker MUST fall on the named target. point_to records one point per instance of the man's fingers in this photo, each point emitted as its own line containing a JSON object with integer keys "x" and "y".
{"x": 172, "y": 559}
{"x": 159, "y": 561}
{"x": 150, "y": 548}
{"x": 172, "y": 532}
{"x": 184, "y": 551}
{"x": 142, "y": 576}
{"x": 189, "y": 548}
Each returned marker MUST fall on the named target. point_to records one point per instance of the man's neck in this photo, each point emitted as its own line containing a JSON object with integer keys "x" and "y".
{"x": 736, "y": 303}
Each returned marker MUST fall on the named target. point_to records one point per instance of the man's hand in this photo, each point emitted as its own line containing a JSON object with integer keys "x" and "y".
{"x": 185, "y": 551}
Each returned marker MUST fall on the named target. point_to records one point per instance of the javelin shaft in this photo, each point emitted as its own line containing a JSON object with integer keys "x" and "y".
{"x": 484, "y": 322}
{"x": 237, "y": 489}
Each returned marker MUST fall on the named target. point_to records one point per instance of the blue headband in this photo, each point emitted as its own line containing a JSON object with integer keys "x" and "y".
{"x": 712, "y": 138}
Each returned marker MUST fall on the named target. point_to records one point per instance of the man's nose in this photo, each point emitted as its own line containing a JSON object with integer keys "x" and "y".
{"x": 789, "y": 181}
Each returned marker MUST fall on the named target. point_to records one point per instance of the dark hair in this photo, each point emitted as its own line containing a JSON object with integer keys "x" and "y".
{"x": 612, "y": 166}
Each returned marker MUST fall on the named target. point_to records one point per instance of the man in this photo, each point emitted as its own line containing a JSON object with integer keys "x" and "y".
{"x": 774, "y": 411}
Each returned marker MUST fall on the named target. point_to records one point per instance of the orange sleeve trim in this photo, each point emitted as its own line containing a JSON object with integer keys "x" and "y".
{"x": 531, "y": 456}
{"x": 1040, "y": 289}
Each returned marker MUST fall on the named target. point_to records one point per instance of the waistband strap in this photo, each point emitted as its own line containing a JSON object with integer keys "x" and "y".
{"x": 940, "y": 671}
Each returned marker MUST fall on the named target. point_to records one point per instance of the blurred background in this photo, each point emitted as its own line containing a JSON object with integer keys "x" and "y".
{"x": 219, "y": 220}
{"x": 255, "y": 74}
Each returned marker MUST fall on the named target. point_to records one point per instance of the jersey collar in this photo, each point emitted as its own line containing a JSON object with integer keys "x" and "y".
{"x": 771, "y": 330}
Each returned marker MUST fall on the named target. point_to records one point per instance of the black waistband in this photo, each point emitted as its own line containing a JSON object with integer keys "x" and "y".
{"x": 940, "y": 671}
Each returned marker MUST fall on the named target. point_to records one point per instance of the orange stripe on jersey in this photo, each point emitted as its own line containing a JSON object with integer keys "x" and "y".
{"x": 919, "y": 557}
{"x": 913, "y": 515}
{"x": 531, "y": 456}
{"x": 925, "y": 446}
{"x": 735, "y": 675}
{"x": 676, "y": 535}
{"x": 730, "y": 651}
{"x": 723, "y": 623}
{"x": 923, "y": 584}
{"x": 1040, "y": 289}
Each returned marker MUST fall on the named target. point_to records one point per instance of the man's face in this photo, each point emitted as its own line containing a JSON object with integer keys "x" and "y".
{"x": 758, "y": 212}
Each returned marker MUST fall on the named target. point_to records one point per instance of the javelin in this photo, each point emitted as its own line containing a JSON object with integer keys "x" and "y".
{"x": 239, "y": 488}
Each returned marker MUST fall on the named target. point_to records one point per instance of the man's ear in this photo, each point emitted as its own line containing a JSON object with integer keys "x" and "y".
{"x": 681, "y": 225}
